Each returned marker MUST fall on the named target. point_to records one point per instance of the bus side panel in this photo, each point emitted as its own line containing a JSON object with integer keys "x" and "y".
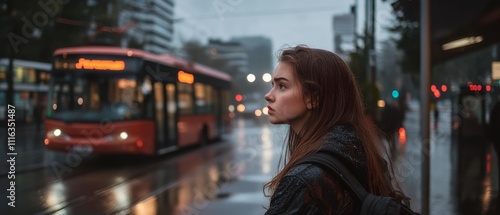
{"x": 190, "y": 128}
{"x": 102, "y": 138}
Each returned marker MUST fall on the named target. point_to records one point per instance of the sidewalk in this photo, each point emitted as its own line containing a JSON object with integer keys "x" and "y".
{"x": 445, "y": 189}
{"x": 409, "y": 169}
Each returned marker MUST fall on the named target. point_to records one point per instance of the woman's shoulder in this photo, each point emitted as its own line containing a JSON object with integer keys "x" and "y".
{"x": 345, "y": 134}
{"x": 313, "y": 177}
{"x": 305, "y": 171}
{"x": 343, "y": 143}
{"x": 325, "y": 189}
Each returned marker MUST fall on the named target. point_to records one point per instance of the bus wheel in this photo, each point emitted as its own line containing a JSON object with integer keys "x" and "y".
{"x": 204, "y": 136}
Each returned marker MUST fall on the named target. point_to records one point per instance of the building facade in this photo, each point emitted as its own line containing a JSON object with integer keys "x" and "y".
{"x": 232, "y": 54}
{"x": 151, "y": 24}
{"x": 31, "y": 80}
{"x": 344, "y": 35}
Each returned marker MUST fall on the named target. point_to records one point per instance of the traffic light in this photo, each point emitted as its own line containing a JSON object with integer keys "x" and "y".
{"x": 395, "y": 94}
{"x": 238, "y": 97}
{"x": 475, "y": 87}
{"x": 437, "y": 94}
{"x": 444, "y": 88}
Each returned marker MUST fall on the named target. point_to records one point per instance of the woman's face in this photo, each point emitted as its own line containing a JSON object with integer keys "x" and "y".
{"x": 286, "y": 103}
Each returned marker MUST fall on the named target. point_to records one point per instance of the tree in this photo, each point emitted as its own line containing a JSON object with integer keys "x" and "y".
{"x": 407, "y": 26}
{"x": 369, "y": 92}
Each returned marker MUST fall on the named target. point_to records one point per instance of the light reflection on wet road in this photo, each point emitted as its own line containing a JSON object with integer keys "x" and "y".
{"x": 186, "y": 182}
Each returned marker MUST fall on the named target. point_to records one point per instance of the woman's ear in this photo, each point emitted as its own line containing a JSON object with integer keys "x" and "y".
{"x": 311, "y": 104}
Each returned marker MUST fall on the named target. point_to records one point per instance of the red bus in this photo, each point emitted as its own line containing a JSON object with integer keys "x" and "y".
{"x": 127, "y": 101}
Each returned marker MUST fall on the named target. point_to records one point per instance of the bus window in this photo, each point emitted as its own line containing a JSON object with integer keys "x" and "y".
{"x": 171, "y": 108}
{"x": 210, "y": 98}
{"x": 204, "y": 98}
{"x": 158, "y": 86}
{"x": 185, "y": 98}
{"x": 94, "y": 96}
{"x": 171, "y": 111}
{"x": 91, "y": 97}
{"x": 61, "y": 99}
{"x": 145, "y": 97}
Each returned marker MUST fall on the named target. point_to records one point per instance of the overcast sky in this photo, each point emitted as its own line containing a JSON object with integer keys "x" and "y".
{"x": 286, "y": 22}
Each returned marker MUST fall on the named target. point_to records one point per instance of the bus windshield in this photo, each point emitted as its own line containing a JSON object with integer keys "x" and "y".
{"x": 96, "y": 97}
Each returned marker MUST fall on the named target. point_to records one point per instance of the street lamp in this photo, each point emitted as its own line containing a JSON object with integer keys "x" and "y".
{"x": 266, "y": 77}
{"x": 250, "y": 78}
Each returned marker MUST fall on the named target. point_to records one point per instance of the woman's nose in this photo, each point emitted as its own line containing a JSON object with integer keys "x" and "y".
{"x": 268, "y": 97}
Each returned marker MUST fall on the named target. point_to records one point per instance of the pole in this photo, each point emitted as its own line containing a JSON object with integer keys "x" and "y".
{"x": 354, "y": 11}
{"x": 370, "y": 41}
{"x": 369, "y": 52}
{"x": 372, "y": 44}
{"x": 425, "y": 65}
{"x": 10, "y": 76}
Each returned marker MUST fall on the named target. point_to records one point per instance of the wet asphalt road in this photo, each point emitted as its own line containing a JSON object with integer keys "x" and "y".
{"x": 190, "y": 181}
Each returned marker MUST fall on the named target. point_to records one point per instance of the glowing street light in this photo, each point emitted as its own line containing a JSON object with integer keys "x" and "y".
{"x": 266, "y": 77}
{"x": 250, "y": 78}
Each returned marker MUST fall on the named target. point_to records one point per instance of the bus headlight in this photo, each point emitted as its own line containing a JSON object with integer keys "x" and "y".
{"x": 123, "y": 135}
{"x": 112, "y": 137}
{"x": 57, "y": 132}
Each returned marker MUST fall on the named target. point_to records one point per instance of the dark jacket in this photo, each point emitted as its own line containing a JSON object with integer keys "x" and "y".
{"x": 308, "y": 189}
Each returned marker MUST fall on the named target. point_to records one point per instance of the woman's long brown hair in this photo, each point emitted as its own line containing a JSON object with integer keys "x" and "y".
{"x": 328, "y": 81}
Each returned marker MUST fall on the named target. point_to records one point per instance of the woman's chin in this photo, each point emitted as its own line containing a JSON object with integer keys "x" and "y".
{"x": 275, "y": 121}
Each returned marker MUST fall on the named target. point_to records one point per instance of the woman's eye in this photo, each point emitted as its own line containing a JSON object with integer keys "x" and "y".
{"x": 282, "y": 86}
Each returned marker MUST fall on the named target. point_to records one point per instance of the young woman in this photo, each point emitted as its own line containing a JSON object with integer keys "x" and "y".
{"x": 315, "y": 92}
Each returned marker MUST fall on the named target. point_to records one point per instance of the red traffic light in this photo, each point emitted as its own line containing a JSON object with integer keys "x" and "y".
{"x": 474, "y": 87}
{"x": 444, "y": 88}
{"x": 238, "y": 97}
{"x": 437, "y": 94}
